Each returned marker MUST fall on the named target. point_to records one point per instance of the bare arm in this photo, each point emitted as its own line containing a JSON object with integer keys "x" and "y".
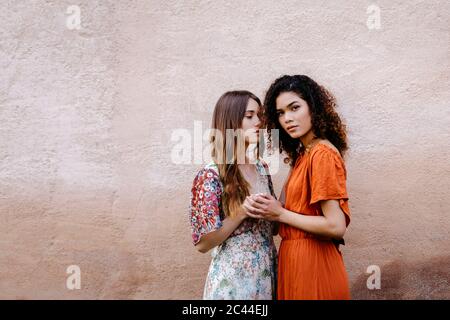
{"x": 332, "y": 224}
{"x": 215, "y": 238}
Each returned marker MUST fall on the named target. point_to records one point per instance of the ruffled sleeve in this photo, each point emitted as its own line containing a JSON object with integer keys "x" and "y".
{"x": 328, "y": 178}
{"x": 205, "y": 204}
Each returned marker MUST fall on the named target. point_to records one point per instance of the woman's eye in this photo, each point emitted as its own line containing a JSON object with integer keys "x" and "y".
{"x": 295, "y": 108}
{"x": 249, "y": 117}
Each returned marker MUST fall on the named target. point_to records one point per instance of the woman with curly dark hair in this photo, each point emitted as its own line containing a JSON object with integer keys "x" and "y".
{"x": 316, "y": 212}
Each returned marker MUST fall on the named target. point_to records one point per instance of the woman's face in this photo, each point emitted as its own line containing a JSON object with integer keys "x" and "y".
{"x": 251, "y": 122}
{"x": 293, "y": 114}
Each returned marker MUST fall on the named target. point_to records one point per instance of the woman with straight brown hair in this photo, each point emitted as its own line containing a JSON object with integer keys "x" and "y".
{"x": 244, "y": 257}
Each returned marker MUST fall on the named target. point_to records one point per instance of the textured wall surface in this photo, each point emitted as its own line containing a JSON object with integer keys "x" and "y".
{"x": 87, "y": 115}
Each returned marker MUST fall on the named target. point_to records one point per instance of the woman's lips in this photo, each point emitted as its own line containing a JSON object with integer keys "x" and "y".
{"x": 292, "y": 128}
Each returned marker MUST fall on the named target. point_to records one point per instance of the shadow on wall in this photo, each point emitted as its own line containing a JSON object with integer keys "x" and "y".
{"x": 401, "y": 280}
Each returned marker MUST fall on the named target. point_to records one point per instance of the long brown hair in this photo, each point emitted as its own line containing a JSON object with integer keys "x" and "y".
{"x": 228, "y": 114}
{"x": 326, "y": 123}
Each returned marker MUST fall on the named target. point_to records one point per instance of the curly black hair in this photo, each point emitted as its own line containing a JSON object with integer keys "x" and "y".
{"x": 326, "y": 123}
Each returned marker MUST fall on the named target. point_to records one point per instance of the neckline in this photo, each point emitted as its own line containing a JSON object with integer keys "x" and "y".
{"x": 309, "y": 153}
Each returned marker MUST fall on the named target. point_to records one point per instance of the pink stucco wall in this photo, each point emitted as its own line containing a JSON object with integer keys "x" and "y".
{"x": 86, "y": 117}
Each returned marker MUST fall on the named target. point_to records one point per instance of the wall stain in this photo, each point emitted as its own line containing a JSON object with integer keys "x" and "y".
{"x": 422, "y": 279}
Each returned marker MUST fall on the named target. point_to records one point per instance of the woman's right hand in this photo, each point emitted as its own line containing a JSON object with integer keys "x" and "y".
{"x": 247, "y": 206}
{"x": 243, "y": 212}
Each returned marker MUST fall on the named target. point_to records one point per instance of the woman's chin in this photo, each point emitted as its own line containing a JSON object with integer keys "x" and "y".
{"x": 294, "y": 135}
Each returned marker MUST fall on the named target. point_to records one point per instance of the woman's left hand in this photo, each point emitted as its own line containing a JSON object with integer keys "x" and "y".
{"x": 263, "y": 206}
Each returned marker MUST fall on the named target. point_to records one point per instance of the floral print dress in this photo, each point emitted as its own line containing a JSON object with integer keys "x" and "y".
{"x": 244, "y": 266}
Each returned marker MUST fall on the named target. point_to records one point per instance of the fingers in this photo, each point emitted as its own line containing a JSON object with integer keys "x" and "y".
{"x": 263, "y": 198}
{"x": 266, "y": 196}
{"x": 259, "y": 200}
{"x": 254, "y": 203}
{"x": 251, "y": 209}
{"x": 255, "y": 216}
{"x": 251, "y": 212}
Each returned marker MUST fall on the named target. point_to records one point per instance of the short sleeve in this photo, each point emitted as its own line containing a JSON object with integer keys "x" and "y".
{"x": 204, "y": 209}
{"x": 328, "y": 178}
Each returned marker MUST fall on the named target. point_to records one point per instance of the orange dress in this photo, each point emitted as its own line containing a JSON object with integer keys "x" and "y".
{"x": 310, "y": 266}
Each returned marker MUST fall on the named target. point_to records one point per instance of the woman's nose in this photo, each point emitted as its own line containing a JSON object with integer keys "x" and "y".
{"x": 287, "y": 117}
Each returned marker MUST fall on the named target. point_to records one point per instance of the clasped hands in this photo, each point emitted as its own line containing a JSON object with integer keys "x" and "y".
{"x": 263, "y": 206}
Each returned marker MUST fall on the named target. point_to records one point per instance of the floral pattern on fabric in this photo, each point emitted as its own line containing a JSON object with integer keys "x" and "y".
{"x": 205, "y": 203}
{"x": 243, "y": 266}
